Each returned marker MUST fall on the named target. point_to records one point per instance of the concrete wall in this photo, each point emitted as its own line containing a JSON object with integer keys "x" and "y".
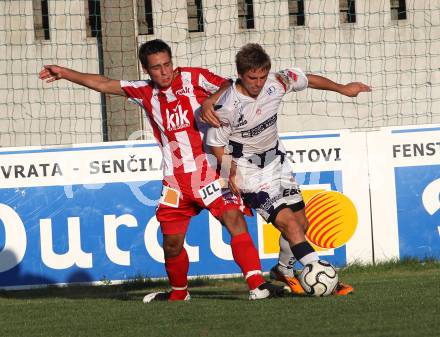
{"x": 120, "y": 62}
{"x": 400, "y": 59}
{"x": 61, "y": 113}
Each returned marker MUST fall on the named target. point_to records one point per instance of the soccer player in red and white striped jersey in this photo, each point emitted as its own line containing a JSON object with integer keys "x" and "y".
{"x": 171, "y": 100}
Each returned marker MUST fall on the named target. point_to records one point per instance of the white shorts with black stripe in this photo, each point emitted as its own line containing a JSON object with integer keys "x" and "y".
{"x": 270, "y": 189}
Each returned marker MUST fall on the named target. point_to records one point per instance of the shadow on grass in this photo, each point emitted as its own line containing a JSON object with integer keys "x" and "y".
{"x": 219, "y": 294}
{"x": 132, "y": 290}
{"x": 201, "y": 288}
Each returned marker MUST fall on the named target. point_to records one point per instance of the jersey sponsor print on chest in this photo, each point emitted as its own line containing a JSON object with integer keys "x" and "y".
{"x": 177, "y": 118}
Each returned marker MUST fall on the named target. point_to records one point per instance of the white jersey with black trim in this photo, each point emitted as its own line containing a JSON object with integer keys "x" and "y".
{"x": 249, "y": 133}
{"x": 249, "y": 126}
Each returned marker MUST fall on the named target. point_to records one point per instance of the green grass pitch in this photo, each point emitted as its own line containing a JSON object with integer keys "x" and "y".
{"x": 392, "y": 299}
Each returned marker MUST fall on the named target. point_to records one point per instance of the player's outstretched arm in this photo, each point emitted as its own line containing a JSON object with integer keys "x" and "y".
{"x": 351, "y": 89}
{"x": 51, "y": 73}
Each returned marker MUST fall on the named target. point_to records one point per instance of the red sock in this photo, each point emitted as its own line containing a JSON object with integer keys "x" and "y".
{"x": 246, "y": 256}
{"x": 177, "y": 270}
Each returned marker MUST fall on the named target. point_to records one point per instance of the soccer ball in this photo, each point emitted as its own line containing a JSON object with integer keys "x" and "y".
{"x": 318, "y": 278}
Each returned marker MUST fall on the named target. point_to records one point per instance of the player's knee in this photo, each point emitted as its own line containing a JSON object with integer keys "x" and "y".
{"x": 234, "y": 222}
{"x": 172, "y": 250}
{"x": 172, "y": 245}
{"x": 289, "y": 219}
{"x": 291, "y": 225}
{"x": 293, "y": 234}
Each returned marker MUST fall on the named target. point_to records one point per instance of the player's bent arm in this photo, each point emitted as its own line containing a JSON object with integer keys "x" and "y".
{"x": 219, "y": 153}
{"x": 96, "y": 82}
{"x": 351, "y": 89}
{"x": 228, "y": 167}
{"x": 208, "y": 114}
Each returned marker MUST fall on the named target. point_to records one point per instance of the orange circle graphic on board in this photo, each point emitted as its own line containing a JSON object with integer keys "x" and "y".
{"x": 332, "y": 219}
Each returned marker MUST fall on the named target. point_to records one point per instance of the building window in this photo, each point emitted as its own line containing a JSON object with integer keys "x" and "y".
{"x": 41, "y": 19}
{"x": 246, "y": 14}
{"x": 296, "y": 13}
{"x": 347, "y": 10}
{"x": 398, "y": 10}
{"x": 145, "y": 17}
{"x": 195, "y": 15}
{"x": 93, "y": 18}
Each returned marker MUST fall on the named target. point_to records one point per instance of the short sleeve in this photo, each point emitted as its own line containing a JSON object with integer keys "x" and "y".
{"x": 134, "y": 89}
{"x": 220, "y": 136}
{"x": 209, "y": 81}
{"x": 292, "y": 79}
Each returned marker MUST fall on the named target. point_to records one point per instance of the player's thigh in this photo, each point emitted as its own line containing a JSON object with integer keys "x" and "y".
{"x": 229, "y": 210}
{"x": 290, "y": 216}
{"x": 291, "y": 224}
{"x": 174, "y": 217}
{"x": 174, "y": 225}
{"x": 234, "y": 221}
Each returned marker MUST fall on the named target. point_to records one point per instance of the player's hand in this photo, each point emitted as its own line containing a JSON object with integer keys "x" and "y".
{"x": 208, "y": 114}
{"x": 233, "y": 186}
{"x": 50, "y": 73}
{"x": 355, "y": 88}
{"x": 232, "y": 180}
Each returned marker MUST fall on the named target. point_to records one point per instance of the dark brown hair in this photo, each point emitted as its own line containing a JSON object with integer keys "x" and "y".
{"x": 250, "y": 57}
{"x": 152, "y": 47}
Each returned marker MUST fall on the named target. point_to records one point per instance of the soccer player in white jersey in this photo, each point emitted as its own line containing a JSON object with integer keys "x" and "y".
{"x": 171, "y": 100}
{"x": 246, "y": 143}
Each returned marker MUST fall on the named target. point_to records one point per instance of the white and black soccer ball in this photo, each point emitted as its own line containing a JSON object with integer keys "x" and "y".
{"x": 318, "y": 278}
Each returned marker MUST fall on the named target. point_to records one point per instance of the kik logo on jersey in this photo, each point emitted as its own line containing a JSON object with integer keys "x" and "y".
{"x": 177, "y": 118}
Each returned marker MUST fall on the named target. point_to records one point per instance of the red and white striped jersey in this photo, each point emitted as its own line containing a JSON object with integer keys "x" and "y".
{"x": 172, "y": 115}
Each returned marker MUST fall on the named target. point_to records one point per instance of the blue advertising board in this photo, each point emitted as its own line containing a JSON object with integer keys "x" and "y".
{"x": 404, "y": 180}
{"x": 46, "y": 258}
{"x": 418, "y": 210}
{"x": 87, "y": 214}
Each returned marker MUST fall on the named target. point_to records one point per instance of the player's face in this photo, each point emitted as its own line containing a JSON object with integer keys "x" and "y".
{"x": 160, "y": 69}
{"x": 253, "y": 81}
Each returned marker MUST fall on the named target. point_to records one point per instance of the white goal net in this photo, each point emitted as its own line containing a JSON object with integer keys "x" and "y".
{"x": 392, "y": 45}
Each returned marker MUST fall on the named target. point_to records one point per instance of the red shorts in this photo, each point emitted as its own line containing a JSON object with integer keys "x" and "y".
{"x": 180, "y": 202}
